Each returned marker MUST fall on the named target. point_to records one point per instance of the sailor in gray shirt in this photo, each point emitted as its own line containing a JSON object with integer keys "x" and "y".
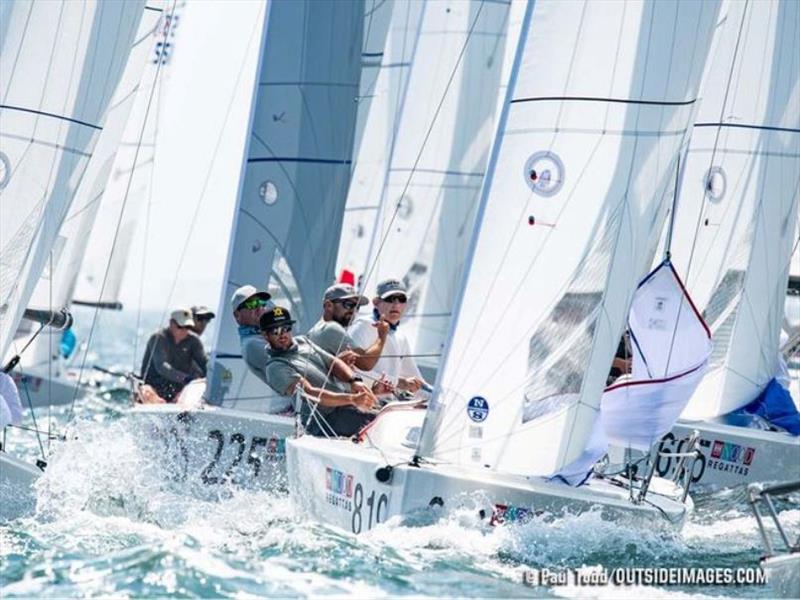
{"x": 248, "y": 305}
{"x": 339, "y": 305}
{"x": 342, "y": 397}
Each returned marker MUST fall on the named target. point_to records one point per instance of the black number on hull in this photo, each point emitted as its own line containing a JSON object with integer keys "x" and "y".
{"x": 215, "y": 434}
{"x": 358, "y": 500}
{"x": 236, "y": 438}
{"x": 252, "y": 456}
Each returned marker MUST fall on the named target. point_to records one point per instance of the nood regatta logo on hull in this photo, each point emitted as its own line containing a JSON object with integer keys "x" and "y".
{"x": 726, "y": 456}
{"x": 339, "y": 489}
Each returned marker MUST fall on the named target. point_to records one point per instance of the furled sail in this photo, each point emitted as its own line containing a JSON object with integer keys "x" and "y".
{"x": 296, "y": 173}
{"x": 582, "y": 171}
{"x": 129, "y": 183}
{"x": 378, "y": 139}
{"x": 57, "y": 283}
{"x": 60, "y": 63}
{"x": 737, "y": 213}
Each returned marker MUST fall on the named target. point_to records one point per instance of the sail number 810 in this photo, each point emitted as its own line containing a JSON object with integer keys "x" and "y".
{"x": 377, "y": 509}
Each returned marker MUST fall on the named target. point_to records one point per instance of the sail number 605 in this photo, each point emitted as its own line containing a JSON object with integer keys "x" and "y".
{"x": 377, "y": 509}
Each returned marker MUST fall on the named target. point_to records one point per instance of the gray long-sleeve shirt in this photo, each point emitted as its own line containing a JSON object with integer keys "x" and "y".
{"x": 167, "y": 366}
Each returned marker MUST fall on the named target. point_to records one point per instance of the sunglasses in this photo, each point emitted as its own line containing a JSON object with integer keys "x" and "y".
{"x": 347, "y": 304}
{"x": 396, "y": 298}
{"x": 253, "y": 303}
{"x": 279, "y": 330}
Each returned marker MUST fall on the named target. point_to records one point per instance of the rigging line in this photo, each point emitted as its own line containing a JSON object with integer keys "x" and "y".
{"x": 114, "y": 240}
{"x": 33, "y": 415}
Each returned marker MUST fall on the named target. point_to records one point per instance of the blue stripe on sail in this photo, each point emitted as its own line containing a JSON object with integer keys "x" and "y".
{"x": 441, "y": 172}
{"x": 746, "y": 126}
{"x": 300, "y": 159}
{"x": 393, "y": 65}
{"x": 600, "y": 99}
{"x": 53, "y": 115}
{"x": 371, "y": 54}
{"x": 226, "y": 355}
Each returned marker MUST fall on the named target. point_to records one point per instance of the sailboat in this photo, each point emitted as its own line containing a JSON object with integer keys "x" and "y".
{"x": 599, "y": 104}
{"x": 735, "y": 231}
{"x": 295, "y": 176}
{"x": 43, "y": 373}
{"x": 59, "y": 67}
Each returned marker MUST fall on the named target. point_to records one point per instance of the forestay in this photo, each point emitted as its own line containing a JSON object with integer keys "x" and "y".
{"x": 57, "y": 283}
{"x": 296, "y": 172}
{"x": 600, "y": 101}
{"x": 129, "y": 184}
{"x": 60, "y": 63}
{"x": 382, "y": 125}
{"x": 737, "y": 214}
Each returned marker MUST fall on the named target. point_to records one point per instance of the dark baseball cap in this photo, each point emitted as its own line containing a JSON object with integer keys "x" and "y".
{"x": 275, "y": 317}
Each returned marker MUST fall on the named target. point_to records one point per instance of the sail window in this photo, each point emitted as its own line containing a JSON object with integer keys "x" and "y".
{"x": 544, "y": 173}
{"x": 5, "y": 170}
{"x": 404, "y": 207}
{"x": 268, "y": 192}
{"x": 716, "y": 184}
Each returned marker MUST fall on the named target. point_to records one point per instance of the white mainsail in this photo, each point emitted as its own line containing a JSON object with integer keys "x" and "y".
{"x": 57, "y": 283}
{"x": 296, "y": 173}
{"x": 442, "y": 142}
{"x": 448, "y": 176}
{"x": 736, "y": 218}
{"x": 129, "y": 185}
{"x": 379, "y": 136}
{"x": 60, "y": 63}
{"x": 599, "y": 104}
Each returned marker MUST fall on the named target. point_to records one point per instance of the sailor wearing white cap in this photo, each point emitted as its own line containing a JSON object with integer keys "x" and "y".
{"x": 174, "y": 356}
{"x": 396, "y": 362}
{"x": 248, "y": 304}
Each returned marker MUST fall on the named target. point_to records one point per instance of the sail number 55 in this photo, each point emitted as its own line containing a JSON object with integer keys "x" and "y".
{"x": 372, "y": 509}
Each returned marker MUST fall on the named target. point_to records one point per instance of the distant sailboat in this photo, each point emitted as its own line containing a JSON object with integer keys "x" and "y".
{"x": 599, "y": 105}
{"x": 60, "y": 63}
{"x": 735, "y": 231}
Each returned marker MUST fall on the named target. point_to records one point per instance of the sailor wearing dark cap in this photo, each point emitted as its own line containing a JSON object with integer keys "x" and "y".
{"x": 248, "y": 304}
{"x": 293, "y": 361}
{"x": 339, "y": 305}
{"x": 396, "y": 362}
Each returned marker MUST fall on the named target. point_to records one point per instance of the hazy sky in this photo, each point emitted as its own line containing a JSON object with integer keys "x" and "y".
{"x": 215, "y": 43}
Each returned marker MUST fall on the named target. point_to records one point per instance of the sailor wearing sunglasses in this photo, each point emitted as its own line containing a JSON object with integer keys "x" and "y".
{"x": 248, "y": 305}
{"x": 339, "y": 305}
{"x": 396, "y": 363}
{"x": 343, "y": 398}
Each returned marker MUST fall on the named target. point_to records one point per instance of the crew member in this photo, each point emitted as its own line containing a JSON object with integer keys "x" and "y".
{"x": 341, "y": 395}
{"x": 202, "y": 316}
{"x": 174, "y": 356}
{"x": 248, "y": 305}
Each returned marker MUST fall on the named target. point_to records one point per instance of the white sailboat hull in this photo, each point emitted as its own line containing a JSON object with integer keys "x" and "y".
{"x": 336, "y": 482}
{"x": 210, "y": 448}
{"x": 783, "y": 574}
{"x": 735, "y": 456}
{"x": 17, "y": 494}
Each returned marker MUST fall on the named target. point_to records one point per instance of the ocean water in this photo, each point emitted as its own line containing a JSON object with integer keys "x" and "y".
{"x": 107, "y": 525}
